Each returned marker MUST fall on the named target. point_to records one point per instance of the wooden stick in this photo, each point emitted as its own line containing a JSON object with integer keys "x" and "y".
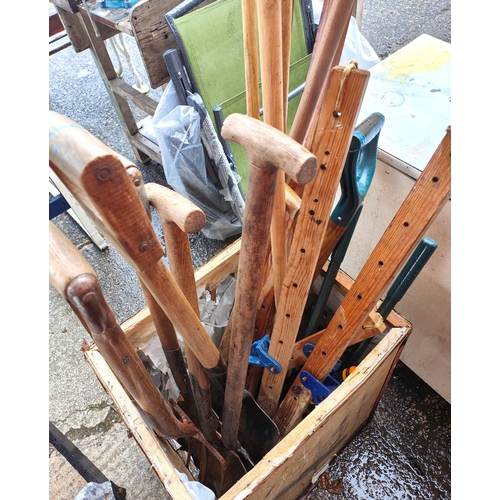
{"x": 271, "y": 54}
{"x": 286, "y": 34}
{"x": 268, "y": 150}
{"x": 416, "y": 213}
{"x": 333, "y": 139}
{"x": 326, "y": 47}
{"x": 251, "y": 57}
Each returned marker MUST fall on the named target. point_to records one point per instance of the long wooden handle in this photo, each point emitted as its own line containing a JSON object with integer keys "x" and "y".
{"x": 253, "y": 253}
{"x": 271, "y": 62}
{"x": 179, "y": 217}
{"x": 416, "y": 213}
{"x": 251, "y": 56}
{"x": 321, "y": 63}
{"x": 163, "y": 326}
{"x": 76, "y": 281}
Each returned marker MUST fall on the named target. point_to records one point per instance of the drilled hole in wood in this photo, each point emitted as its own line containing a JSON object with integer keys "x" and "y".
{"x": 380, "y": 263}
{"x": 316, "y": 200}
{"x": 322, "y": 166}
{"x": 311, "y": 212}
{"x": 280, "y": 342}
{"x": 435, "y": 179}
{"x": 287, "y": 315}
{"x": 327, "y": 153}
{"x": 360, "y": 297}
{"x": 406, "y": 224}
{"x": 295, "y": 285}
{"x": 323, "y": 353}
{"x": 340, "y": 327}
{"x": 302, "y": 250}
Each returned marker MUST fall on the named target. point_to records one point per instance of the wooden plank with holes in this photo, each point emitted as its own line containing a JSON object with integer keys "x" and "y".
{"x": 330, "y": 145}
{"x": 414, "y": 216}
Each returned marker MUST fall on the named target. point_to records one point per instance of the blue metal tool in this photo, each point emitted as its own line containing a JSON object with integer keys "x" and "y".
{"x": 259, "y": 355}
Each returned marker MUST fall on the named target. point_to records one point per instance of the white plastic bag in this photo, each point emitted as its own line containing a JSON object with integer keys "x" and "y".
{"x": 177, "y": 130}
{"x": 356, "y": 46}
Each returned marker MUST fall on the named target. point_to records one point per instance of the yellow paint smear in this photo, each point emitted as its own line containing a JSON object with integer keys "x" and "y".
{"x": 417, "y": 59}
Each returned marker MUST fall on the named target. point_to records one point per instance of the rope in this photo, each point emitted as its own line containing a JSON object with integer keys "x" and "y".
{"x": 347, "y": 71}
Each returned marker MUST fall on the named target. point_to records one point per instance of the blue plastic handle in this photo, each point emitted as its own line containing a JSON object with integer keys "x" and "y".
{"x": 359, "y": 169}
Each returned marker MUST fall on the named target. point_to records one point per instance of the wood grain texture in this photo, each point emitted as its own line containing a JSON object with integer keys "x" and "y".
{"x": 414, "y": 216}
{"x": 331, "y": 146}
{"x": 287, "y": 469}
{"x": 153, "y": 37}
{"x": 267, "y": 146}
{"x": 175, "y": 208}
{"x": 101, "y": 184}
{"x": 251, "y": 57}
{"x": 272, "y": 65}
{"x": 321, "y": 63}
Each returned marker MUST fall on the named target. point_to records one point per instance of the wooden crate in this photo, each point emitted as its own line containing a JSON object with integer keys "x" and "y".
{"x": 287, "y": 470}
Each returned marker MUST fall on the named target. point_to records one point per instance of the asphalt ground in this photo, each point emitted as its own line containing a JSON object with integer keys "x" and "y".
{"x": 404, "y": 453}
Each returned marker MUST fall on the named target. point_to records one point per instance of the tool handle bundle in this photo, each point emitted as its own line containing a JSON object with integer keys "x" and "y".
{"x": 291, "y": 225}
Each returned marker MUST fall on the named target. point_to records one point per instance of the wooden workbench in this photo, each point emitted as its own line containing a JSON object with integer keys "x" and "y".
{"x": 145, "y": 22}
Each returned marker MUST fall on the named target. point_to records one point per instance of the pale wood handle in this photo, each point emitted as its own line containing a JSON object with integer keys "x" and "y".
{"x": 324, "y": 51}
{"x": 268, "y": 147}
{"x": 66, "y": 262}
{"x": 251, "y": 56}
{"x": 173, "y": 207}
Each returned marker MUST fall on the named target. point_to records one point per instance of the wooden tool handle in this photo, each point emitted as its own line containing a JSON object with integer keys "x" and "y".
{"x": 267, "y": 147}
{"x": 251, "y": 53}
{"x": 97, "y": 177}
{"x": 324, "y": 51}
{"x": 81, "y": 289}
{"x": 179, "y": 216}
{"x": 66, "y": 261}
{"x": 173, "y": 207}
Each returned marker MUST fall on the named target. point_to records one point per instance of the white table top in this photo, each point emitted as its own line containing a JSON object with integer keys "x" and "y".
{"x": 412, "y": 89}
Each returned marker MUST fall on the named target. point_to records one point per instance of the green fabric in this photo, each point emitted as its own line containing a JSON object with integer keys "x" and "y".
{"x": 237, "y": 104}
{"x": 213, "y": 40}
